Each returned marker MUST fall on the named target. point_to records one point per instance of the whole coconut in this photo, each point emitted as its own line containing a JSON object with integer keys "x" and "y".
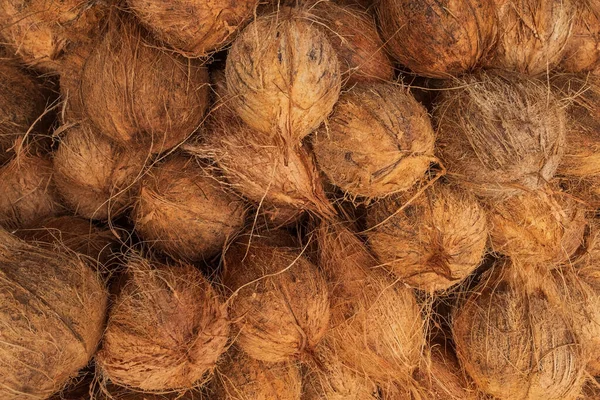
{"x": 500, "y": 132}
{"x": 283, "y": 75}
{"x": 183, "y": 210}
{"x": 53, "y": 311}
{"x": 166, "y": 330}
{"x": 431, "y": 242}
{"x": 515, "y": 339}
{"x": 582, "y": 50}
{"x": 378, "y": 141}
{"x": 280, "y": 301}
{"x": 194, "y": 27}
{"x": 140, "y": 95}
{"x": 438, "y": 39}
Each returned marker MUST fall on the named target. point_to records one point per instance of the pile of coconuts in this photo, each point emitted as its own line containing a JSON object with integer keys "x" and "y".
{"x": 299, "y": 199}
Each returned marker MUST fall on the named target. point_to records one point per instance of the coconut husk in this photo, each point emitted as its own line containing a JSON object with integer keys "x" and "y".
{"x": 280, "y": 301}
{"x": 140, "y": 95}
{"x": 283, "y": 76}
{"x": 166, "y": 330}
{"x": 498, "y": 133}
{"x": 278, "y": 217}
{"x": 582, "y": 49}
{"x": 184, "y": 211}
{"x": 96, "y": 177}
{"x": 431, "y": 242}
{"x": 113, "y": 392}
{"x": 442, "y": 39}
{"x": 591, "y": 391}
{"x": 53, "y": 308}
{"x": 585, "y": 191}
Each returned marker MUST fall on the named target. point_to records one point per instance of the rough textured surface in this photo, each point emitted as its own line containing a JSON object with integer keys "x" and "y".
{"x": 582, "y": 50}
{"x": 112, "y": 392}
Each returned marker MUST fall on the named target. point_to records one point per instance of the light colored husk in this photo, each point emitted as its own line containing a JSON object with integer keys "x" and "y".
{"x": 500, "y": 132}
{"x": 436, "y": 39}
{"x": 283, "y": 76}
{"x": 434, "y": 242}
{"x": 280, "y": 301}
{"x": 184, "y": 211}
{"x": 112, "y": 392}
{"x": 378, "y": 141}
{"x": 53, "y": 311}
{"x": 582, "y": 50}
{"x": 166, "y": 330}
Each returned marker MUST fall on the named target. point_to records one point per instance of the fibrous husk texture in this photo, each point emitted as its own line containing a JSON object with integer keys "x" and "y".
{"x": 281, "y": 302}
{"x": 183, "y": 210}
{"x": 113, "y": 392}
{"x": 515, "y": 339}
{"x": 431, "y": 242}
{"x": 438, "y": 39}
{"x": 378, "y": 141}
{"x": 52, "y": 315}
{"x": 140, "y": 95}
{"x": 283, "y": 75}
{"x": 166, "y": 330}
{"x": 96, "y": 177}
{"x": 192, "y": 27}
{"x": 498, "y": 132}
{"x": 582, "y": 50}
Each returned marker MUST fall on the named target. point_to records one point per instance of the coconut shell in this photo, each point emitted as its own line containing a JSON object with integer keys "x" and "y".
{"x": 515, "y": 339}
{"x": 499, "y": 132}
{"x": 280, "y": 301}
{"x": 55, "y": 307}
{"x": 157, "y": 109}
{"x": 283, "y": 75}
{"x": 184, "y": 211}
{"x": 96, "y": 177}
{"x": 378, "y": 141}
{"x": 434, "y": 242}
{"x": 582, "y": 50}
{"x": 438, "y": 39}
{"x": 166, "y": 329}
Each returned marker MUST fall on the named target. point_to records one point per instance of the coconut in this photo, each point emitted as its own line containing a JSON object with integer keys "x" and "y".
{"x": 240, "y": 377}
{"x": 533, "y": 34}
{"x": 516, "y": 340}
{"x": 278, "y": 217}
{"x": 585, "y": 191}
{"x": 96, "y": 177}
{"x": 500, "y": 132}
{"x": 53, "y": 310}
{"x": 378, "y": 141}
{"x": 184, "y": 211}
{"x": 112, "y": 392}
{"x": 166, "y": 329}
{"x": 283, "y": 75}
{"x": 438, "y": 39}
{"x": 431, "y": 242}
{"x": 280, "y": 302}
{"x": 582, "y": 49}
{"x": 138, "y": 94}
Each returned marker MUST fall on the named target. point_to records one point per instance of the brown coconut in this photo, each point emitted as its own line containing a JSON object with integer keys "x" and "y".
{"x": 113, "y": 392}
{"x": 431, "y": 242}
{"x": 240, "y": 377}
{"x": 500, "y": 132}
{"x": 280, "y": 301}
{"x": 283, "y": 75}
{"x": 515, "y": 338}
{"x": 533, "y": 34}
{"x": 378, "y": 141}
{"x": 166, "y": 330}
{"x": 582, "y": 50}
{"x": 157, "y": 109}
{"x": 183, "y": 210}
{"x": 438, "y": 39}
{"x": 53, "y": 311}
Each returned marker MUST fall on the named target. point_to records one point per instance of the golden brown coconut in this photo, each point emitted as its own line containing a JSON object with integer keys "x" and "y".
{"x": 431, "y": 242}
{"x": 140, "y": 95}
{"x": 582, "y": 50}
{"x": 500, "y": 132}
{"x": 52, "y": 314}
{"x": 184, "y": 211}
{"x": 96, "y": 177}
{"x": 378, "y": 141}
{"x": 194, "y": 27}
{"x": 515, "y": 339}
{"x": 166, "y": 329}
{"x": 438, "y": 39}
{"x": 240, "y": 377}
{"x": 283, "y": 75}
{"x": 280, "y": 301}
{"x": 533, "y": 34}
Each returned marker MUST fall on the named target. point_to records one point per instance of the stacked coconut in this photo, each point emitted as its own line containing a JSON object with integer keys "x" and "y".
{"x": 243, "y": 199}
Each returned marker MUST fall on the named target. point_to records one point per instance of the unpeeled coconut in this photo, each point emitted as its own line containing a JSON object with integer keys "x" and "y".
{"x": 112, "y": 392}
{"x": 582, "y": 50}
